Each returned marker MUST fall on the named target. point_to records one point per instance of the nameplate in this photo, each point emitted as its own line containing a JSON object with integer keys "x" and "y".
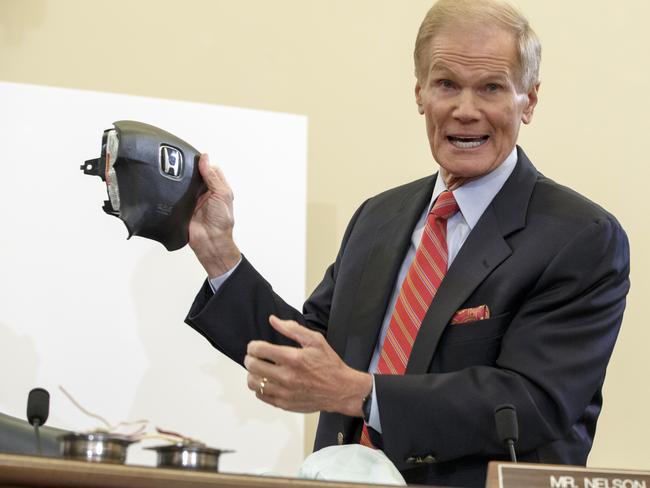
{"x": 510, "y": 475}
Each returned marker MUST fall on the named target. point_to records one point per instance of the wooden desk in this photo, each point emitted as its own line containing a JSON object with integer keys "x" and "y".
{"x": 39, "y": 472}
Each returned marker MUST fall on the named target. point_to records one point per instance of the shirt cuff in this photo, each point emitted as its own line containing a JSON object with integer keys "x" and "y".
{"x": 216, "y": 282}
{"x": 374, "y": 421}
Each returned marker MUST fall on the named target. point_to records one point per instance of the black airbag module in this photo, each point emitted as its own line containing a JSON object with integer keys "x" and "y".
{"x": 152, "y": 179}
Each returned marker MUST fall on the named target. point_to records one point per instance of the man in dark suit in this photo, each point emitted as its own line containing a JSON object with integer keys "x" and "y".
{"x": 515, "y": 295}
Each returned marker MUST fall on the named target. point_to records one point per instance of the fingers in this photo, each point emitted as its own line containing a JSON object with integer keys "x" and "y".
{"x": 259, "y": 384}
{"x": 281, "y": 364}
{"x": 268, "y": 396}
{"x": 205, "y": 169}
{"x": 294, "y": 331}
{"x": 272, "y": 353}
{"x": 261, "y": 366}
{"x": 266, "y": 390}
{"x": 276, "y": 395}
{"x": 213, "y": 176}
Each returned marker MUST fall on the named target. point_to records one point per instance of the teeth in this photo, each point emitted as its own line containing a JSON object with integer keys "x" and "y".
{"x": 467, "y": 143}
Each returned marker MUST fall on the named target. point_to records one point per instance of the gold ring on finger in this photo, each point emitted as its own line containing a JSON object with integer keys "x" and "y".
{"x": 262, "y": 385}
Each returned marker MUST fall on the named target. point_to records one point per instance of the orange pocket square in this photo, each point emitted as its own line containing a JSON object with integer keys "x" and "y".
{"x": 466, "y": 315}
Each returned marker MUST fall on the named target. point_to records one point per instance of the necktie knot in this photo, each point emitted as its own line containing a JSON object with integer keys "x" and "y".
{"x": 445, "y": 205}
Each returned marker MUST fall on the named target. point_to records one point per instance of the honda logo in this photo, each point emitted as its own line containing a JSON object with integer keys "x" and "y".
{"x": 171, "y": 162}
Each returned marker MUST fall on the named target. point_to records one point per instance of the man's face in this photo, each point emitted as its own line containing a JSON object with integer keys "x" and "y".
{"x": 472, "y": 102}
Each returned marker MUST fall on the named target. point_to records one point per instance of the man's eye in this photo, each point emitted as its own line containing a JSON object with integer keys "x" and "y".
{"x": 446, "y": 83}
{"x": 492, "y": 87}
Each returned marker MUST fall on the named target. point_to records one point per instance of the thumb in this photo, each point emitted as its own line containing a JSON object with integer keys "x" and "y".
{"x": 293, "y": 330}
{"x": 211, "y": 175}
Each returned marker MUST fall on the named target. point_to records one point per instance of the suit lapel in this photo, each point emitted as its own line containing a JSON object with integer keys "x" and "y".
{"x": 389, "y": 246}
{"x": 484, "y": 249}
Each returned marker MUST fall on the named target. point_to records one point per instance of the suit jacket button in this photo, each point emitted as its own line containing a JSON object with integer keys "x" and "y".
{"x": 429, "y": 459}
{"x": 339, "y": 438}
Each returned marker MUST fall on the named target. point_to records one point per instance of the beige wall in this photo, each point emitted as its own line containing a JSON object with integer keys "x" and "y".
{"x": 346, "y": 64}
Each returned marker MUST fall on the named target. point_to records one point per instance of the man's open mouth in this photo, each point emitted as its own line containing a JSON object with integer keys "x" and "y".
{"x": 463, "y": 142}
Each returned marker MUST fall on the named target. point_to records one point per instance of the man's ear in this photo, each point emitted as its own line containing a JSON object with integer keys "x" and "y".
{"x": 418, "y": 97}
{"x": 531, "y": 102}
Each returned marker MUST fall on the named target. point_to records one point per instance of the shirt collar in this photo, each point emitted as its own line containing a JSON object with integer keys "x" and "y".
{"x": 474, "y": 196}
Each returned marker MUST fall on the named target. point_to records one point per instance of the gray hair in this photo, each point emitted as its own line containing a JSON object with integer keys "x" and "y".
{"x": 445, "y": 13}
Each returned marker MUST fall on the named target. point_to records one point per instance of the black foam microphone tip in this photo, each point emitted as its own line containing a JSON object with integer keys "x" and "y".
{"x": 38, "y": 406}
{"x": 505, "y": 417}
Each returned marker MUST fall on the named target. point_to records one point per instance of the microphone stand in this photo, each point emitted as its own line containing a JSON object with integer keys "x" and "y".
{"x": 37, "y": 431}
{"x": 511, "y": 449}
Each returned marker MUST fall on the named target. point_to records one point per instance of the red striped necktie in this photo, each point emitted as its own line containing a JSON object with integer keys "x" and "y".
{"x": 418, "y": 289}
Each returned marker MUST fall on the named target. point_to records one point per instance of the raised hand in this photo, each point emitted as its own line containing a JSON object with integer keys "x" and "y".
{"x": 212, "y": 223}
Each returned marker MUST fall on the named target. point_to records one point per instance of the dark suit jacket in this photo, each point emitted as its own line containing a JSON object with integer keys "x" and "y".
{"x": 551, "y": 266}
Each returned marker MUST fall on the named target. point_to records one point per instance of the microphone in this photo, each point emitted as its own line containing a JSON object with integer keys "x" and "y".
{"x": 38, "y": 409}
{"x": 505, "y": 416}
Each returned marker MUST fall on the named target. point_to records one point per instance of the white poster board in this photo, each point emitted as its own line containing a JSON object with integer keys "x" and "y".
{"x": 83, "y": 307}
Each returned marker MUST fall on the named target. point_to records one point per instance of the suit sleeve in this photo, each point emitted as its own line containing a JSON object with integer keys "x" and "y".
{"x": 551, "y": 363}
{"x": 239, "y": 311}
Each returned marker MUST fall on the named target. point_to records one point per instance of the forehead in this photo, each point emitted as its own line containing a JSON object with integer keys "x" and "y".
{"x": 476, "y": 48}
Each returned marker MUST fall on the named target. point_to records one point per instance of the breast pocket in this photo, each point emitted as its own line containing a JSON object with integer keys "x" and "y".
{"x": 471, "y": 344}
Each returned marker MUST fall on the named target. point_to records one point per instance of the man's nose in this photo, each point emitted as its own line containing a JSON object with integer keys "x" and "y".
{"x": 466, "y": 109}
